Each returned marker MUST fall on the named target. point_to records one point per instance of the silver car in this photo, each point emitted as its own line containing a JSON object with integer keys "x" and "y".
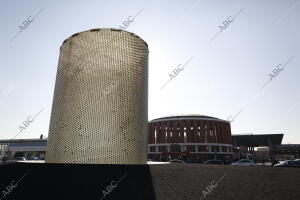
{"x": 243, "y": 162}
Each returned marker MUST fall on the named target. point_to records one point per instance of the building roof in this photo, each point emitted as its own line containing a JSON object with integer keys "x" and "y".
{"x": 251, "y": 140}
{"x": 187, "y": 117}
{"x": 23, "y": 140}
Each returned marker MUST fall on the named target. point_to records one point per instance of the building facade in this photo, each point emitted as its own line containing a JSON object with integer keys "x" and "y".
{"x": 9, "y": 148}
{"x": 99, "y": 112}
{"x": 189, "y": 136}
{"x": 245, "y": 144}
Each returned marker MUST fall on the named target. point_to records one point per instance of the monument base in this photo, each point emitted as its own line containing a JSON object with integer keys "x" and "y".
{"x": 75, "y": 181}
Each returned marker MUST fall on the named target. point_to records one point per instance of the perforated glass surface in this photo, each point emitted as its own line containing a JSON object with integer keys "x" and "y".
{"x": 99, "y": 112}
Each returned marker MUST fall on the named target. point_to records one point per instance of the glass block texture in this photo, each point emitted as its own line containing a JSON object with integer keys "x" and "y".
{"x": 99, "y": 112}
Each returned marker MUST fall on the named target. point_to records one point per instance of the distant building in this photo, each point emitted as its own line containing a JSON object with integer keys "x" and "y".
{"x": 8, "y": 148}
{"x": 286, "y": 151}
{"x": 266, "y": 145}
{"x": 184, "y": 150}
{"x": 189, "y": 136}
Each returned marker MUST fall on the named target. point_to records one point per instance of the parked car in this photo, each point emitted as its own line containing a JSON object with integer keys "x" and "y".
{"x": 216, "y": 162}
{"x": 275, "y": 162}
{"x": 176, "y": 161}
{"x": 33, "y": 158}
{"x": 17, "y": 159}
{"x": 194, "y": 160}
{"x": 41, "y": 158}
{"x": 297, "y": 160}
{"x": 243, "y": 162}
{"x": 288, "y": 163}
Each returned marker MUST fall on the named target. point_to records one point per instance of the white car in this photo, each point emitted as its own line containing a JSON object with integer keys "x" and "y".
{"x": 15, "y": 160}
{"x": 243, "y": 162}
{"x": 288, "y": 163}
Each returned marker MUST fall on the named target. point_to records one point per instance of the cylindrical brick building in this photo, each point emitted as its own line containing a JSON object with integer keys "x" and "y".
{"x": 99, "y": 111}
{"x": 189, "y": 136}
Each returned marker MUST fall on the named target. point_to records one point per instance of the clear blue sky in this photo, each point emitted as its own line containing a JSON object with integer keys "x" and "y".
{"x": 224, "y": 76}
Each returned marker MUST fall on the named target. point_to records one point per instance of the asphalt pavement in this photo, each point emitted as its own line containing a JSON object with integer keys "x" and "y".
{"x": 224, "y": 182}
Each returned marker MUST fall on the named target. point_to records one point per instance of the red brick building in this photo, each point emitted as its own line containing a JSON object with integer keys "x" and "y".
{"x": 189, "y": 136}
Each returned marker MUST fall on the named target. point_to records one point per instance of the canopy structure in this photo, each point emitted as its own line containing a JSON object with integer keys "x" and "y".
{"x": 250, "y": 140}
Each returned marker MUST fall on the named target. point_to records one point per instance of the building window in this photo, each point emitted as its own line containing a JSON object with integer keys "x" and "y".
{"x": 152, "y": 149}
{"x": 224, "y": 149}
{"x": 203, "y": 148}
{"x": 215, "y": 149}
{"x": 162, "y": 149}
{"x": 191, "y": 148}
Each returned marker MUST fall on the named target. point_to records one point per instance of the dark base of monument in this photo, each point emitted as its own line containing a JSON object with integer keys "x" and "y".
{"x": 75, "y": 181}
{"x": 143, "y": 182}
